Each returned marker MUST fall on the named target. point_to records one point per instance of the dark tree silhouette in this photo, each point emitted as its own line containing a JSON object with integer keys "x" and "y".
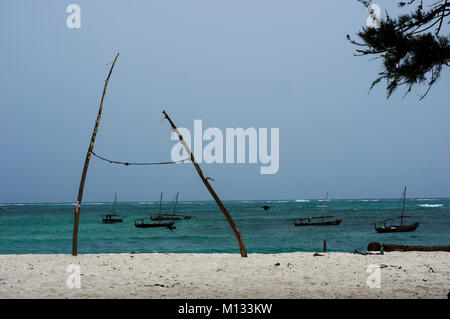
{"x": 411, "y": 46}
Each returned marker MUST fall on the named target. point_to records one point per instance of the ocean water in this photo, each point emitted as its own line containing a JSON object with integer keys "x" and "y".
{"x": 47, "y": 228}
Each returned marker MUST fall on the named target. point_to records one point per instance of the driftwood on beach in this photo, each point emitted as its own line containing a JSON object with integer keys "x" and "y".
{"x": 395, "y": 247}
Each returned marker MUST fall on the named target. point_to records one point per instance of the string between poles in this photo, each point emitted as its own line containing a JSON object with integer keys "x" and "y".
{"x": 137, "y": 163}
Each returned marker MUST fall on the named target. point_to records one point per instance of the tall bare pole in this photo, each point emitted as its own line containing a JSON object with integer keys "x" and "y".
{"x": 210, "y": 189}
{"x": 86, "y": 164}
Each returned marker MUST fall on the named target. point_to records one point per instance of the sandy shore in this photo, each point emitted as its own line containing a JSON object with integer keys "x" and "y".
{"x": 293, "y": 275}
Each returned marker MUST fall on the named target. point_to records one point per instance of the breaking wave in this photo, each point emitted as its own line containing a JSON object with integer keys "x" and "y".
{"x": 430, "y": 205}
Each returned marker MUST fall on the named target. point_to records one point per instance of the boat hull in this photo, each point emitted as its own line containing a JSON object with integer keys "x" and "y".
{"x": 167, "y": 218}
{"x": 111, "y": 219}
{"x": 397, "y": 229}
{"x": 171, "y": 217}
{"x": 154, "y": 225}
{"x": 329, "y": 223}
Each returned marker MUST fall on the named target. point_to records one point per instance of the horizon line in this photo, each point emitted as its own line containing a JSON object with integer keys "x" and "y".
{"x": 228, "y": 200}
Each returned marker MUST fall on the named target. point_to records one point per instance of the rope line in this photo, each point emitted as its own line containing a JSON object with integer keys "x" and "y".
{"x": 131, "y": 163}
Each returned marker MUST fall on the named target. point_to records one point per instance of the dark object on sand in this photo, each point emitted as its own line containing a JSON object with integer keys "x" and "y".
{"x": 308, "y": 221}
{"x": 266, "y": 207}
{"x": 397, "y": 228}
{"x": 374, "y": 246}
{"x": 395, "y": 247}
{"x": 112, "y": 218}
{"x": 368, "y": 253}
{"x": 140, "y": 223}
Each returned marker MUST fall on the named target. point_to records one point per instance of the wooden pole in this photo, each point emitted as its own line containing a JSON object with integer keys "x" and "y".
{"x": 86, "y": 164}
{"x": 324, "y": 246}
{"x": 210, "y": 189}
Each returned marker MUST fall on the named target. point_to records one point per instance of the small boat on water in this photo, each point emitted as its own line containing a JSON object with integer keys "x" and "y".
{"x": 142, "y": 222}
{"x": 112, "y": 218}
{"x": 302, "y": 222}
{"x": 172, "y": 216}
{"x": 397, "y": 228}
{"x": 308, "y": 221}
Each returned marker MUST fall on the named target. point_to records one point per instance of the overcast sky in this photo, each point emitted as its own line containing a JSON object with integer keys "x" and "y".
{"x": 263, "y": 64}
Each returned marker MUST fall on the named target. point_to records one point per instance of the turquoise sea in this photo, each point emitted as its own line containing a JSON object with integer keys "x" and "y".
{"x": 47, "y": 228}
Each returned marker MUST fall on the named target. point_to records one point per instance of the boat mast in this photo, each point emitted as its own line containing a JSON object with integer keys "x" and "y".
{"x": 115, "y": 200}
{"x": 86, "y": 164}
{"x": 210, "y": 189}
{"x": 160, "y": 204}
{"x": 175, "y": 206}
{"x": 403, "y": 207}
{"x": 324, "y": 204}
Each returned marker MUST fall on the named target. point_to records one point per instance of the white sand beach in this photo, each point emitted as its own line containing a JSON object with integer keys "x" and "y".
{"x": 289, "y": 275}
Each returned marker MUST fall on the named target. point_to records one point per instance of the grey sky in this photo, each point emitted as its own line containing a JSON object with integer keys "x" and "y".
{"x": 230, "y": 63}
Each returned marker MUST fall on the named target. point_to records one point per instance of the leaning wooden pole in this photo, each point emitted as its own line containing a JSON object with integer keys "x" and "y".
{"x": 210, "y": 189}
{"x": 86, "y": 164}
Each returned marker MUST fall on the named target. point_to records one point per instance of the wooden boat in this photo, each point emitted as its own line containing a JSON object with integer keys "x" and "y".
{"x": 309, "y": 220}
{"x": 397, "y": 228}
{"x": 141, "y": 222}
{"x": 172, "y": 216}
{"x": 326, "y": 223}
{"x": 112, "y": 218}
